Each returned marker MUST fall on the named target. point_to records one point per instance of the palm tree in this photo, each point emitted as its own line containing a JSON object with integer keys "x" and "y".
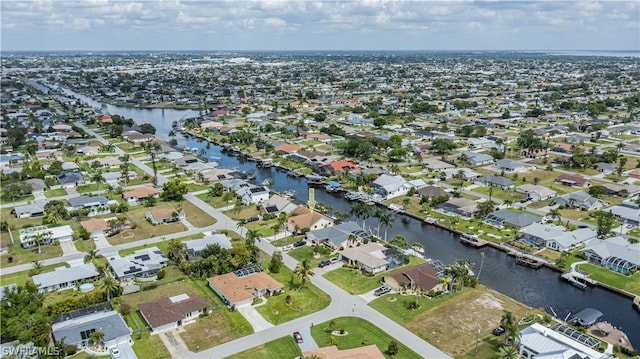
{"x": 228, "y": 196}
{"x": 253, "y": 236}
{"x": 240, "y": 224}
{"x": 97, "y": 178}
{"x": 508, "y": 352}
{"x": 490, "y": 191}
{"x": 362, "y": 210}
{"x": 303, "y": 271}
{"x": 555, "y": 214}
{"x": 507, "y": 319}
{"x": 110, "y": 286}
{"x": 37, "y": 267}
{"x": 40, "y": 238}
{"x": 54, "y": 217}
{"x": 97, "y": 337}
{"x": 92, "y": 255}
{"x": 386, "y": 220}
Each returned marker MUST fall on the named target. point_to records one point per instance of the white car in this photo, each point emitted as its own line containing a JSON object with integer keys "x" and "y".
{"x": 115, "y": 353}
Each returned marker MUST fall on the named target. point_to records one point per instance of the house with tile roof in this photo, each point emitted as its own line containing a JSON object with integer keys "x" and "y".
{"x": 172, "y": 312}
{"x": 164, "y": 215}
{"x": 536, "y": 193}
{"x": 302, "y": 218}
{"x": 242, "y": 287}
{"x": 137, "y": 195}
{"x": 420, "y": 278}
{"x": 572, "y": 179}
{"x": 286, "y": 149}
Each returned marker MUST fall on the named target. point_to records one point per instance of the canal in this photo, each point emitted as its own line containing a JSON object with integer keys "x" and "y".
{"x": 536, "y": 288}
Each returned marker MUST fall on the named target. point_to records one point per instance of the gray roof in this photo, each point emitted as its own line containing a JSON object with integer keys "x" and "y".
{"x": 37, "y": 184}
{"x": 64, "y": 275}
{"x": 140, "y": 261}
{"x": 513, "y": 218}
{"x": 31, "y": 208}
{"x": 549, "y": 232}
{"x": 200, "y": 244}
{"x": 475, "y": 157}
{"x": 627, "y": 213}
{"x": 85, "y": 200}
{"x": 618, "y": 247}
{"x": 580, "y": 197}
{"x": 496, "y": 181}
{"x": 508, "y": 164}
{"x": 110, "y": 323}
{"x": 336, "y": 234}
{"x": 70, "y": 177}
{"x": 389, "y": 183}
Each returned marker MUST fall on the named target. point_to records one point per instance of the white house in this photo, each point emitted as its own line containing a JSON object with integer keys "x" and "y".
{"x": 388, "y": 187}
{"x": 172, "y": 312}
{"x": 253, "y": 195}
{"x": 51, "y": 234}
{"x": 65, "y": 278}
{"x": 557, "y": 237}
{"x": 538, "y": 341}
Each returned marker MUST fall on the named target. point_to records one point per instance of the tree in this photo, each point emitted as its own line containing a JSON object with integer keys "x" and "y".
{"x": 97, "y": 178}
{"x": 115, "y": 130}
{"x": 36, "y": 267}
{"x": 253, "y": 236}
{"x": 40, "y": 237}
{"x": 362, "y": 210}
{"x": 53, "y": 217}
{"x": 240, "y": 224}
{"x": 393, "y": 348}
{"x": 92, "y": 255}
{"x": 174, "y": 190}
{"x": 508, "y": 352}
{"x": 148, "y": 128}
{"x": 228, "y": 196}
{"x": 110, "y": 286}
{"x": 176, "y": 251}
{"x": 23, "y": 315}
{"x": 605, "y": 222}
{"x": 276, "y": 262}
{"x": 385, "y": 219}
{"x": 485, "y": 208}
{"x": 97, "y": 337}
{"x": 399, "y": 241}
{"x": 555, "y": 214}
{"x": 303, "y": 271}
{"x": 597, "y": 191}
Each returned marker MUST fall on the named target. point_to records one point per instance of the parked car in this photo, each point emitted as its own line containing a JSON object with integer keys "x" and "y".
{"x": 298, "y": 337}
{"x": 382, "y": 290}
{"x": 253, "y": 219}
{"x": 115, "y": 353}
{"x": 324, "y": 263}
{"x": 499, "y": 331}
{"x": 334, "y": 260}
{"x": 287, "y": 248}
{"x": 299, "y": 244}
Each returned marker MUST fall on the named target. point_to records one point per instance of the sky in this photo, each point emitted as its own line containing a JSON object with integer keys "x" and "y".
{"x": 92, "y": 25}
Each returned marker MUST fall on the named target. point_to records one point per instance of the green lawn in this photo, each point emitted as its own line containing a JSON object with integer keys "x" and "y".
{"x": 352, "y": 281}
{"x": 359, "y": 332}
{"x": 630, "y": 283}
{"x": 84, "y": 246}
{"x": 5, "y": 199}
{"x": 306, "y": 252}
{"x": 22, "y": 256}
{"x": 304, "y": 301}
{"x": 283, "y": 348}
{"x": 245, "y": 212}
{"x": 196, "y": 216}
{"x": 55, "y": 192}
{"x": 146, "y": 345}
{"x": 91, "y": 187}
{"x": 20, "y": 278}
{"x": 195, "y": 187}
{"x": 144, "y": 228}
{"x": 18, "y": 223}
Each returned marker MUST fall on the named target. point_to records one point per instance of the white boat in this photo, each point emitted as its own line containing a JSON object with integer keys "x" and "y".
{"x": 352, "y": 196}
{"x": 396, "y": 207}
{"x": 430, "y": 220}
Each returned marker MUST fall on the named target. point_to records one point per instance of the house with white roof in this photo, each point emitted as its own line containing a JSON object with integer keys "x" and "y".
{"x": 616, "y": 253}
{"x": 579, "y": 200}
{"x": 536, "y": 193}
{"x": 477, "y": 159}
{"x": 65, "y": 278}
{"x": 52, "y": 234}
{"x": 141, "y": 264}
{"x": 538, "y": 341}
{"x": 195, "y": 246}
{"x": 253, "y": 194}
{"x": 387, "y": 186}
{"x": 557, "y": 237}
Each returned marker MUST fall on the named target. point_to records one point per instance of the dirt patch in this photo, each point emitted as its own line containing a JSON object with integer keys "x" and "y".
{"x": 452, "y": 325}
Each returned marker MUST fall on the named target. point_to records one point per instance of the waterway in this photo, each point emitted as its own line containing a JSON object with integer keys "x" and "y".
{"x": 536, "y": 288}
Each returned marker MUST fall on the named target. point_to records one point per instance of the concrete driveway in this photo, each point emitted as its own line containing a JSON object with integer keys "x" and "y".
{"x": 308, "y": 342}
{"x": 254, "y": 318}
{"x": 68, "y": 248}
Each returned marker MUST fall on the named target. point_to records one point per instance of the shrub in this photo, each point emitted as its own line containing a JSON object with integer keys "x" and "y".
{"x": 150, "y": 286}
{"x": 10, "y": 259}
{"x": 161, "y": 274}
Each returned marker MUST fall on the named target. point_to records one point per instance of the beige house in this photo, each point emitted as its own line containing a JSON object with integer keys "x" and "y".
{"x": 238, "y": 289}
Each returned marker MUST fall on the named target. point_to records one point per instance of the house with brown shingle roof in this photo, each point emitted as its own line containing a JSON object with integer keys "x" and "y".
{"x": 421, "y": 278}
{"x": 139, "y": 194}
{"x": 96, "y": 226}
{"x": 164, "y": 215}
{"x": 572, "y": 179}
{"x": 172, "y": 312}
{"x": 301, "y": 218}
{"x": 239, "y": 289}
{"x": 286, "y": 149}
{"x": 332, "y": 352}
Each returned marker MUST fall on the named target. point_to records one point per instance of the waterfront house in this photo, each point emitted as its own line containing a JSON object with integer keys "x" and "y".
{"x": 76, "y": 328}
{"x": 137, "y": 137}
{"x": 536, "y": 193}
{"x": 432, "y": 191}
{"x": 65, "y": 278}
{"x": 172, "y": 312}
{"x": 286, "y": 149}
{"x": 616, "y": 253}
{"x": 137, "y": 195}
{"x": 141, "y": 264}
{"x": 164, "y": 215}
{"x": 559, "y": 341}
{"x": 510, "y": 219}
{"x": 460, "y": 206}
{"x": 373, "y": 257}
{"x": 420, "y": 278}
{"x": 277, "y": 204}
{"x": 243, "y": 286}
{"x": 253, "y": 194}
{"x": 335, "y": 167}
{"x": 338, "y": 236}
{"x": 557, "y": 237}
{"x": 579, "y": 200}
{"x": 495, "y": 181}
{"x": 572, "y": 179}
{"x": 387, "y": 186}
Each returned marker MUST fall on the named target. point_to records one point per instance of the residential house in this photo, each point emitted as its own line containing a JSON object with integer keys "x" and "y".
{"x": 510, "y": 165}
{"x": 65, "y": 278}
{"x": 621, "y": 190}
{"x": 137, "y": 137}
{"x": 332, "y": 352}
{"x": 536, "y": 193}
{"x": 277, "y": 204}
{"x": 137, "y": 195}
{"x": 243, "y": 286}
{"x": 467, "y": 174}
{"x": 616, "y": 253}
{"x": 70, "y": 179}
{"x": 76, "y": 328}
{"x": 477, "y": 159}
{"x": 164, "y": 215}
{"x": 107, "y": 162}
{"x": 112, "y": 178}
{"x": 539, "y": 341}
{"x": 301, "y": 218}
{"x": 573, "y": 179}
{"x": 509, "y": 218}
{"x": 286, "y": 149}
{"x": 420, "y": 278}
{"x": 196, "y": 246}
{"x": 335, "y": 167}
{"x": 557, "y": 237}
{"x": 185, "y": 161}
{"x": 338, "y": 236}
{"x": 32, "y": 209}
{"x": 37, "y": 187}
{"x": 141, "y": 264}
{"x": 479, "y": 142}
{"x": 579, "y": 200}
{"x": 634, "y": 173}
{"x": 373, "y": 257}
{"x": 495, "y": 181}
{"x": 387, "y": 186}
{"x": 172, "y": 312}
{"x": 97, "y": 227}
{"x": 51, "y": 234}
{"x": 254, "y": 194}
{"x": 460, "y": 206}
{"x": 626, "y": 214}
{"x": 95, "y": 204}
{"x": 436, "y": 165}
{"x": 606, "y": 168}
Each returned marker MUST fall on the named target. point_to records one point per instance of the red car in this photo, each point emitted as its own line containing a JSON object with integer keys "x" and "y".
{"x": 297, "y": 337}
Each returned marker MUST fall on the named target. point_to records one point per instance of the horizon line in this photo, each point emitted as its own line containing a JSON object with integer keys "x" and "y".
{"x": 321, "y": 50}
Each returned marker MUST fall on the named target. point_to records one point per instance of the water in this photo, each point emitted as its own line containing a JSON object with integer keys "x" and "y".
{"x": 536, "y": 288}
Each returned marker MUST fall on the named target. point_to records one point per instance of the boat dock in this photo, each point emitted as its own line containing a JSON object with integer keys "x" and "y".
{"x": 472, "y": 240}
{"x": 528, "y": 262}
{"x": 578, "y": 278}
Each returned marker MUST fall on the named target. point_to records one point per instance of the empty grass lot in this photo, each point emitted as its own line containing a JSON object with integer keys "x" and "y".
{"x": 196, "y": 216}
{"x": 352, "y": 281}
{"x": 283, "y": 348}
{"x": 359, "y": 332}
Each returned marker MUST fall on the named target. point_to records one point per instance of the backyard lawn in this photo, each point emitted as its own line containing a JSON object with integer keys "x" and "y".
{"x": 283, "y": 348}
{"x": 630, "y": 283}
{"x": 242, "y": 212}
{"x": 144, "y": 228}
{"x": 359, "y": 332}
